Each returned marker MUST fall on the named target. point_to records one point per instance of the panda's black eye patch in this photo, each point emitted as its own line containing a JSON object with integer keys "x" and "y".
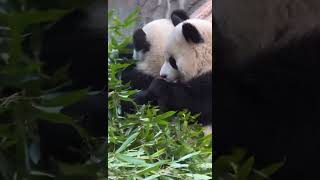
{"x": 172, "y": 62}
{"x": 140, "y": 41}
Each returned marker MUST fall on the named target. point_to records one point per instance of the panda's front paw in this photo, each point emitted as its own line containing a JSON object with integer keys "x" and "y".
{"x": 142, "y": 97}
{"x": 158, "y": 87}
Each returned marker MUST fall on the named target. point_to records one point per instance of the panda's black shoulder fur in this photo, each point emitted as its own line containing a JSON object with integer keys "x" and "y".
{"x": 202, "y": 97}
{"x": 271, "y": 105}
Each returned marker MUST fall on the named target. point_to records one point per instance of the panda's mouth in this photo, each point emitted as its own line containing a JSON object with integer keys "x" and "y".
{"x": 177, "y": 79}
{"x": 173, "y": 81}
{"x": 172, "y": 77}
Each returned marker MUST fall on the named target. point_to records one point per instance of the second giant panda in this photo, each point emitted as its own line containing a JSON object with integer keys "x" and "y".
{"x": 186, "y": 75}
{"x": 148, "y": 43}
{"x": 149, "y": 46}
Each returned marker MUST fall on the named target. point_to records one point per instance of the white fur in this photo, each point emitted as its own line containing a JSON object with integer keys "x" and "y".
{"x": 137, "y": 55}
{"x": 192, "y": 59}
{"x": 157, "y": 33}
{"x": 207, "y": 129}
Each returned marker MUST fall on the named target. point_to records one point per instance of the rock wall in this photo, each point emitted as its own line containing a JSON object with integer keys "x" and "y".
{"x": 153, "y": 9}
{"x": 204, "y": 11}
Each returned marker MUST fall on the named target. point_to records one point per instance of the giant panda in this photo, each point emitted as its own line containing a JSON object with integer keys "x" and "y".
{"x": 186, "y": 75}
{"x": 266, "y": 97}
{"x": 148, "y": 50}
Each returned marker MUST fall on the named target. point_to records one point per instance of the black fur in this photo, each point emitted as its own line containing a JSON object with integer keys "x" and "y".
{"x": 177, "y": 16}
{"x": 191, "y": 34}
{"x": 138, "y": 79}
{"x": 195, "y": 95}
{"x": 173, "y": 63}
{"x": 140, "y": 41}
{"x": 272, "y": 107}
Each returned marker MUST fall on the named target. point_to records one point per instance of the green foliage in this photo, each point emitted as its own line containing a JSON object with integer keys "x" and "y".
{"x": 28, "y": 95}
{"x": 149, "y": 144}
{"x": 237, "y": 166}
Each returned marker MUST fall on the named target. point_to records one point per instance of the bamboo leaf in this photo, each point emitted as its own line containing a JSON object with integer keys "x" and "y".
{"x": 127, "y": 142}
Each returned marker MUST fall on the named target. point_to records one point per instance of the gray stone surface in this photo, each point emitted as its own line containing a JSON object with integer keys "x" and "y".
{"x": 153, "y": 9}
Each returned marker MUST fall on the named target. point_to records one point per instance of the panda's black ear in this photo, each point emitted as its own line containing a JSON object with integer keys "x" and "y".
{"x": 191, "y": 34}
{"x": 140, "y": 40}
{"x": 179, "y": 15}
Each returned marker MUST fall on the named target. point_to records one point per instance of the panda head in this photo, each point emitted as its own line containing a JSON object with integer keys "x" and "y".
{"x": 148, "y": 43}
{"x": 188, "y": 50}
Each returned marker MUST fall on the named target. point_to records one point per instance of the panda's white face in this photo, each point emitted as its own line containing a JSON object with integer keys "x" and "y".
{"x": 149, "y": 45}
{"x": 188, "y": 51}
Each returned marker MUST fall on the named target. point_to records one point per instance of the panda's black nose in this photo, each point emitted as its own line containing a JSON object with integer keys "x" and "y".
{"x": 164, "y": 76}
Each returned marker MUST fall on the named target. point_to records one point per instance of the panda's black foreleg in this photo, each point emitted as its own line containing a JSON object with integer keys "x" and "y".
{"x": 144, "y": 97}
{"x": 137, "y": 79}
{"x": 140, "y": 98}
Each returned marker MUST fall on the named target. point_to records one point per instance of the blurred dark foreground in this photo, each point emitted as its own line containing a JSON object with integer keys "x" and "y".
{"x": 52, "y": 81}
